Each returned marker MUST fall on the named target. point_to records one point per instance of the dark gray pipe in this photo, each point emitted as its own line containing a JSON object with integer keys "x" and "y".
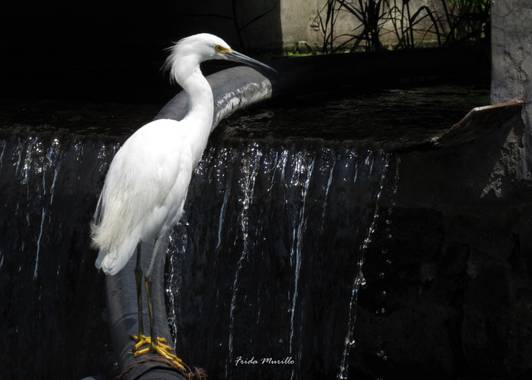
{"x": 233, "y": 89}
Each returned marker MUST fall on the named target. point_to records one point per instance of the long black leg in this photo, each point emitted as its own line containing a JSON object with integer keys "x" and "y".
{"x": 147, "y": 284}
{"x": 160, "y": 345}
{"x": 138, "y": 280}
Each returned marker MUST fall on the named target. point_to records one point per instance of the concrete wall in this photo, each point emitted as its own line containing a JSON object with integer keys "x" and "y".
{"x": 288, "y": 24}
{"x": 299, "y": 22}
{"x": 512, "y": 75}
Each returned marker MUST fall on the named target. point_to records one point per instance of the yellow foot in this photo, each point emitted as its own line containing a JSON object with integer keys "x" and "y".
{"x": 144, "y": 344}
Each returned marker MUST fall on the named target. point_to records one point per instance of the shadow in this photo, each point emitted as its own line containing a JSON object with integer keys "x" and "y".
{"x": 110, "y": 51}
{"x": 463, "y": 176}
{"x": 245, "y": 25}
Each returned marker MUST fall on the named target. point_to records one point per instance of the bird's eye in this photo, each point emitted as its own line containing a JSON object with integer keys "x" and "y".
{"x": 220, "y": 49}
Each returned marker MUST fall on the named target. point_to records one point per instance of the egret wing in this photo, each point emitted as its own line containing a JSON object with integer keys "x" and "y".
{"x": 134, "y": 200}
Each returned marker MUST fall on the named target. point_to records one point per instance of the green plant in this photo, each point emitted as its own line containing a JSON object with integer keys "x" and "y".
{"x": 326, "y": 20}
{"x": 370, "y": 15}
{"x": 467, "y": 20}
{"x": 405, "y": 23}
{"x": 454, "y": 22}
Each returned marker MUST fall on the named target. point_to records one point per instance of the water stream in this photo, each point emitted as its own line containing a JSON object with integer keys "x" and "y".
{"x": 267, "y": 262}
{"x": 289, "y": 215}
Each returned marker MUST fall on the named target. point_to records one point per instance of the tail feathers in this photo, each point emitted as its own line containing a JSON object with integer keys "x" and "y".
{"x": 116, "y": 242}
{"x": 99, "y": 259}
{"x": 114, "y": 261}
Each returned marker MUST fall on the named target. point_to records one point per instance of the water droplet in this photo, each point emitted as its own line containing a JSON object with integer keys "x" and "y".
{"x": 381, "y": 354}
{"x": 351, "y": 343}
{"x": 360, "y": 280}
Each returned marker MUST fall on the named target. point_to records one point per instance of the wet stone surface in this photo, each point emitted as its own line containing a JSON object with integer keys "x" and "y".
{"x": 299, "y": 241}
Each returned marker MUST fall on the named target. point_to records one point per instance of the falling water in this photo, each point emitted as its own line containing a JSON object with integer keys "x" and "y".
{"x": 330, "y": 169}
{"x": 175, "y": 252}
{"x": 269, "y": 211}
{"x": 49, "y": 183}
{"x": 251, "y": 159}
{"x": 359, "y": 280}
{"x": 264, "y": 226}
{"x": 301, "y": 178}
{"x": 3, "y": 144}
{"x": 302, "y": 174}
{"x": 269, "y": 260}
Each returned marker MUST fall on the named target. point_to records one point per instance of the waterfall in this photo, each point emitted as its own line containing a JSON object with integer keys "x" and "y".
{"x": 52, "y": 298}
{"x": 267, "y": 261}
{"x": 358, "y": 279}
{"x": 274, "y": 252}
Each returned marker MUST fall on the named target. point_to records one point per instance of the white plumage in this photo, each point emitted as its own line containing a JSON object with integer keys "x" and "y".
{"x": 147, "y": 182}
{"x": 146, "y": 185}
{"x": 145, "y": 189}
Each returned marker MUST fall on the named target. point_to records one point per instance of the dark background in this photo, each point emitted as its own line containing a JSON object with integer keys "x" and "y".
{"x": 88, "y": 50}
{"x": 103, "y": 50}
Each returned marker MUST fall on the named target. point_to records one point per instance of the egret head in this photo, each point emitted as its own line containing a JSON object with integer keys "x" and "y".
{"x": 189, "y": 52}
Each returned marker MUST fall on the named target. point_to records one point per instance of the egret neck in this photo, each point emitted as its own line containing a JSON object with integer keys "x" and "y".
{"x": 198, "y": 121}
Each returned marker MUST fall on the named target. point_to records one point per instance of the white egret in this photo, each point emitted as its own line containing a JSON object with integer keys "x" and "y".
{"x": 146, "y": 185}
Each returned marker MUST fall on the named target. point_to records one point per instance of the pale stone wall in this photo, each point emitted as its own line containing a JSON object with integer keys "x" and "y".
{"x": 299, "y": 22}
{"x": 296, "y": 21}
{"x": 288, "y": 23}
{"x": 512, "y": 75}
